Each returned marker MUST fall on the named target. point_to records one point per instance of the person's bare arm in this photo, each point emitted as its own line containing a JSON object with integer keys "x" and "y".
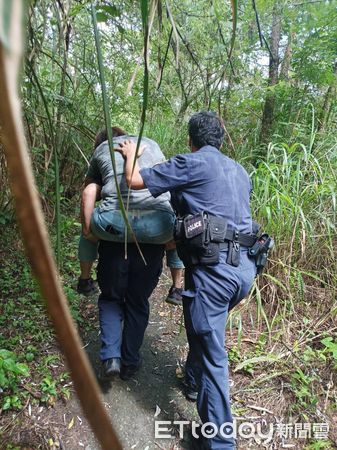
{"x": 128, "y": 150}
{"x": 90, "y": 193}
{"x": 88, "y": 181}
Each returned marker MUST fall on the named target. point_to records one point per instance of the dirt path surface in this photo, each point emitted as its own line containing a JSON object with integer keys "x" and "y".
{"x": 155, "y": 392}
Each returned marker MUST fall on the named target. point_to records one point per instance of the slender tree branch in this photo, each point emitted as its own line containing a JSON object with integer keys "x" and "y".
{"x": 160, "y": 75}
{"x": 258, "y": 23}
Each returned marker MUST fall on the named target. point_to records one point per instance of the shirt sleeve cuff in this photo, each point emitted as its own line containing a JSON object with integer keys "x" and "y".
{"x": 146, "y": 175}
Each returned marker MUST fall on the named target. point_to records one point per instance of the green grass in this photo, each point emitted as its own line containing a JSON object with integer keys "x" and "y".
{"x": 292, "y": 309}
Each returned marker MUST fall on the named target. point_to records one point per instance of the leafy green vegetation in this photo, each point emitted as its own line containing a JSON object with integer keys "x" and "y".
{"x": 10, "y": 373}
{"x": 31, "y": 367}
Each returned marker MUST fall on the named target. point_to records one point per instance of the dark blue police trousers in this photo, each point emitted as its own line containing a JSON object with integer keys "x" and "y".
{"x": 211, "y": 291}
{"x": 126, "y": 285}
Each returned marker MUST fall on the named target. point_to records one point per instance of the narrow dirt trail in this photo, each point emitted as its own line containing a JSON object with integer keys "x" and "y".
{"x": 155, "y": 392}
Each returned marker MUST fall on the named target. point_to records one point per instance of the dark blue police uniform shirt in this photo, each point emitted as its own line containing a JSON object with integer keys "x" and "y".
{"x": 205, "y": 180}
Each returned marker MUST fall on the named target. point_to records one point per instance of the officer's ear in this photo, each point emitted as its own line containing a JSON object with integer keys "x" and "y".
{"x": 191, "y": 145}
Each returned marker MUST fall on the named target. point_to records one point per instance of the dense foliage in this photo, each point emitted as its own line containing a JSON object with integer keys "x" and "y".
{"x": 189, "y": 71}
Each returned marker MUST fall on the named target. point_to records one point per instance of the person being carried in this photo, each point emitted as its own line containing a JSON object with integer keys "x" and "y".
{"x": 211, "y": 195}
{"x": 151, "y": 219}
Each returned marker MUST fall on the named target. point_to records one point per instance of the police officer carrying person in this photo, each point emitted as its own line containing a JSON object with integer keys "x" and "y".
{"x": 211, "y": 196}
{"x": 126, "y": 283}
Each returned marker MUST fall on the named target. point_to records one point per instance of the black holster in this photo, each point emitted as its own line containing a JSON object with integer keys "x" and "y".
{"x": 198, "y": 239}
{"x": 260, "y": 250}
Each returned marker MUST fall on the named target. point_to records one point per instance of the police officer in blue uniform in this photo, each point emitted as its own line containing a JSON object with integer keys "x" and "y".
{"x": 212, "y": 192}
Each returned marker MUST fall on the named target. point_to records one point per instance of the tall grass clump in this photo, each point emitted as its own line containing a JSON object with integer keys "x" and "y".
{"x": 294, "y": 196}
{"x": 171, "y": 136}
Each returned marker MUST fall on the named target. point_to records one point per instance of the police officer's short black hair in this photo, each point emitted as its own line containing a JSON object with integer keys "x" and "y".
{"x": 206, "y": 128}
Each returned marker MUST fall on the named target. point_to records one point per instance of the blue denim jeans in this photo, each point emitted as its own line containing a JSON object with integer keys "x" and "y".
{"x": 149, "y": 226}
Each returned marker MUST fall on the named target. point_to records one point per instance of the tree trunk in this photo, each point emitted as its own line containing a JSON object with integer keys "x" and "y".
{"x": 285, "y": 66}
{"x": 328, "y": 101}
{"x": 268, "y": 110}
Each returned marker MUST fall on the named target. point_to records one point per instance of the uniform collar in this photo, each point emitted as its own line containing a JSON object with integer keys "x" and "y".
{"x": 208, "y": 148}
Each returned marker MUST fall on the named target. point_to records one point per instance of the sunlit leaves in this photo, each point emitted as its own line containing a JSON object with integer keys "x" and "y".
{"x": 106, "y": 12}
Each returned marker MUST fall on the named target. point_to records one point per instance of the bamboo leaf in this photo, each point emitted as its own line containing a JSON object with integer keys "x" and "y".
{"x": 102, "y": 17}
{"x": 256, "y": 360}
{"x": 157, "y": 412}
{"x": 145, "y": 24}
{"x": 109, "y": 127}
{"x": 111, "y": 10}
{"x": 71, "y": 423}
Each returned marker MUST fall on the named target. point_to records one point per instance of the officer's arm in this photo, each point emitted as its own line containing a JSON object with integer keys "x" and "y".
{"x": 133, "y": 178}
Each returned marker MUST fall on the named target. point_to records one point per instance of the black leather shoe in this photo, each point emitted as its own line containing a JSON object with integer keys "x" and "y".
{"x": 199, "y": 443}
{"x": 110, "y": 368}
{"x": 174, "y": 296}
{"x": 127, "y": 372}
{"x": 87, "y": 286}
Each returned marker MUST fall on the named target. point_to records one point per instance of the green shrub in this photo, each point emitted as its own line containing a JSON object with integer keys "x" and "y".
{"x": 11, "y": 373}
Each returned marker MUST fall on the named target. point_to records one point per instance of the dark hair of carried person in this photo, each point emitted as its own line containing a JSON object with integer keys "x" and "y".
{"x": 102, "y": 135}
{"x": 206, "y": 128}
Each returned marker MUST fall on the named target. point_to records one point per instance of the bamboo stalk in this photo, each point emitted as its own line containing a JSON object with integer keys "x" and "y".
{"x": 234, "y": 4}
{"x": 146, "y": 30}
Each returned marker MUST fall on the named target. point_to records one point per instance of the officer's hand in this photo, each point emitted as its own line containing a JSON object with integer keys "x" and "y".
{"x": 128, "y": 149}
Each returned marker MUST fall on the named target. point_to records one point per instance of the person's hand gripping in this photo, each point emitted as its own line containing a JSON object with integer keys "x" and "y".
{"x": 128, "y": 149}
